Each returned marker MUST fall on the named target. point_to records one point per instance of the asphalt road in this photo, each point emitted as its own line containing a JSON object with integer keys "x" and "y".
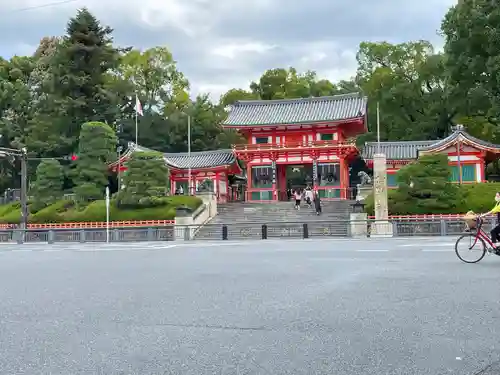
{"x": 350, "y": 307}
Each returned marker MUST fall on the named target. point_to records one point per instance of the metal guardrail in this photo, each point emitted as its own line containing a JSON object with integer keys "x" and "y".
{"x": 234, "y": 231}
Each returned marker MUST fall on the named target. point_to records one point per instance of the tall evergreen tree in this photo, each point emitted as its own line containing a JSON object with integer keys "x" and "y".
{"x": 78, "y": 90}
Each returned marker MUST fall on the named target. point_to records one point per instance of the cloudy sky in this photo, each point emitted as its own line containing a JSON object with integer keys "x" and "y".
{"x": 221, "y": 44}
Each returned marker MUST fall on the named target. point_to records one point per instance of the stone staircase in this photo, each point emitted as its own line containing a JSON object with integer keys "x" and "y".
{"x": 244, "y": 220}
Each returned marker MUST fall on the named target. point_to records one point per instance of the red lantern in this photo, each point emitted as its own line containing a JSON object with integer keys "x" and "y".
{"x": 74, "y": 157}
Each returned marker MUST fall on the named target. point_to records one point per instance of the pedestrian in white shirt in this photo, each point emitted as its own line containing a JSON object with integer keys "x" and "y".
{"x": 298, "y": 197}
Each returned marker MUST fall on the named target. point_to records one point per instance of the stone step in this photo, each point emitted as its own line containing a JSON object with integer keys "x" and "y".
{"x": 245, "y": 220}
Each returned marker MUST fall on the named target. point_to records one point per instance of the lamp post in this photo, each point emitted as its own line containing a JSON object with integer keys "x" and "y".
{"x": 189, "y": 155}
{"x": 190, "y": 190}
{"x": 459, "y": 128}
{"x": 119, "y": 150}
{"x": 24, "y": 188}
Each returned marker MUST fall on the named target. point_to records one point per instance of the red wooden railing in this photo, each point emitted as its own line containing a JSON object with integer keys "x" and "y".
{"x": 97, "y": 224}
{"x": 272, "y": 146}
{"x": 423, "y": 217}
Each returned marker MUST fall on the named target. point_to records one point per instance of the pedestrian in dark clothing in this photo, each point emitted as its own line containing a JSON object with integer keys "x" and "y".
{"x": 317, "y": 203}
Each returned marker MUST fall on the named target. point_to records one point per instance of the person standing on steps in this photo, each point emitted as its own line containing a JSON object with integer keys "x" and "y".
{"x": 309, "y": 196}
{"x": 298, "y": 197}
{"x": 317, "y": 203}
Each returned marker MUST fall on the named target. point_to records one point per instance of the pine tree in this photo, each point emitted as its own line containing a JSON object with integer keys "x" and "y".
{"x": 96, "y": 149}
{"x": 78, "y": 84}
{"x": 145, "y": 181}
{"x": 48, "y": 186}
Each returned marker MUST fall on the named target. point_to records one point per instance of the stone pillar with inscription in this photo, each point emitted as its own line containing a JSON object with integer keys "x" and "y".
{"x": 315, "y": 174}
{"x": 273, "y": 171}
{"x": 381, "y": 227}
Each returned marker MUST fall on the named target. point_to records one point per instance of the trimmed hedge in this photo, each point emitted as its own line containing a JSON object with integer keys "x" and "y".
{"x": 66, "y": 211}
{"x": 475, "y": 197}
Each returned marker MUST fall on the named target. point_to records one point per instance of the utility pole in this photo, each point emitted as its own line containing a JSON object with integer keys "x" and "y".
{"x": 22, "y": 155}
{"x": 378, "y": 128}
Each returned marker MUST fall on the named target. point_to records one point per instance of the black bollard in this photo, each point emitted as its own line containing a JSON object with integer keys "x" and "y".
{"x": 305, "y": 231}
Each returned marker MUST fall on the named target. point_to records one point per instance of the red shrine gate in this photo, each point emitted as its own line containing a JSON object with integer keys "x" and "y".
{"x": 293, "y": 143}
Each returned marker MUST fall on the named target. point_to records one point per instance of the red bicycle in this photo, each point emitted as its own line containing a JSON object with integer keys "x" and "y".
{"x": 475, "y": 243}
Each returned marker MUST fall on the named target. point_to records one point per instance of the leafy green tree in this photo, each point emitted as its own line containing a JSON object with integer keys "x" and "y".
{"x": 16, "y": 113}
{"x": 42, "y": 140}
{"x": 48, "y": 186}
{"x": 288, "y": 84}
{"x": 15, "y": 102}
{"x": 424, "y": 187}
{"x": 408, "y": 82}
{"x": 146, "y": 180}
{"x": 206, "y": 131}
{"x": 97, "y": 148}
{"x": 472, "y": 32}
{"x": 153, "y": 76}
{"x": 233, "y": 95}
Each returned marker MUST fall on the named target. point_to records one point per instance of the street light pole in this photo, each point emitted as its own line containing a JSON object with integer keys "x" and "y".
{"x": 190, "y": 192}
{"x": 189, "y": 156}
{"x": 119, "y": 149}
{"x": 24, "y": 188}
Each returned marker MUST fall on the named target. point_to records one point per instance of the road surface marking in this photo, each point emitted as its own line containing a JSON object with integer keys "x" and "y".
{"x": 433, "y": 244}
{"x": 372, "y": 251}
{"x": 437, "y": 250}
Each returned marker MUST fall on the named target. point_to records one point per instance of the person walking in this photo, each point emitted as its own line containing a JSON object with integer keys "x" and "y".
{"x": 298, "y": 197}
{"x": 309, "y": 196}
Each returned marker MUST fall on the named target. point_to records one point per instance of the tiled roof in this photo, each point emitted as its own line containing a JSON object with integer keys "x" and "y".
{"x": 202, "y": 159}
{"x": 395, "y": 150}
{"x": 296, "y": 111}
{"x": 409, "y": 149}
{"x": 181, "y": 160}
{"x": 451, "y": 138}
{"x": 132, "y": 147}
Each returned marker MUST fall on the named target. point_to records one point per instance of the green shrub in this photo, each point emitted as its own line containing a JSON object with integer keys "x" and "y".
{"x": 67, "y": 211}
{"x": 8, "y": 208}
{"x": 53, "y": 213}
{"x": 479, "y": 197}
{"x": 475, "y": 197}
{"x": 96, "y": 211}
{"x": 183, "y": 200}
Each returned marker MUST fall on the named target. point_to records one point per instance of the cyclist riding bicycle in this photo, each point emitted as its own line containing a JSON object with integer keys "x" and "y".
{"x": 495, "y": 232}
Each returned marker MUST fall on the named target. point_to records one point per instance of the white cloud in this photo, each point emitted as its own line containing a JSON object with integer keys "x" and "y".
{"x": 193, "y": 19}
{"x": 239, "y": 50}
{"x": 314, "y": 57}
{"x": 220, "y": 44}
{"x": 215, "y": 91}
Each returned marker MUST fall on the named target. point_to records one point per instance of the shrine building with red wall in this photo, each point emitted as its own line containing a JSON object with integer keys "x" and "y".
{"x": 467, "y": 155}
{"x": 213, "y": 166}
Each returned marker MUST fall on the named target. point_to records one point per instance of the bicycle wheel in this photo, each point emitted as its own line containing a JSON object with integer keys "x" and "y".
{"x": 468, "y": 251}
